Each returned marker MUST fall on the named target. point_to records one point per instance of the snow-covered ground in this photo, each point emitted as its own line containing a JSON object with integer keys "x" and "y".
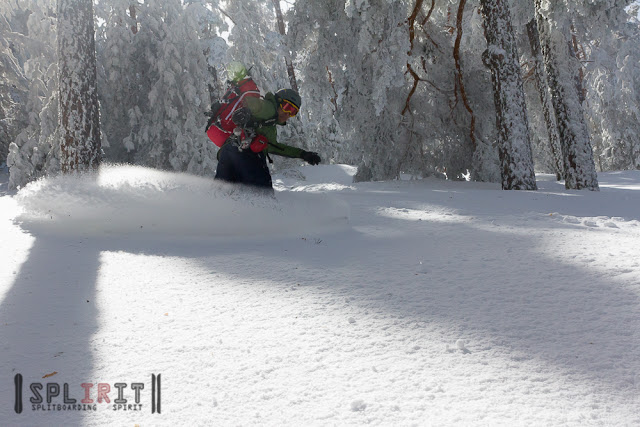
{"x": 421, "y": 302}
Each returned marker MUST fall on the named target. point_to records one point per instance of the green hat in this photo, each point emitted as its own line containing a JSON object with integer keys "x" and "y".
{"x": 289, "y": 95}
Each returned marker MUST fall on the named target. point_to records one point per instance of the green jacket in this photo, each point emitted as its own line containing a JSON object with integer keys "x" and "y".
{"x": 265, "y": 118}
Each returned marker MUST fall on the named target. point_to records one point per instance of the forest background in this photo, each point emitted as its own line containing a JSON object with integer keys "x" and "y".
{"x": 389, "y": 86}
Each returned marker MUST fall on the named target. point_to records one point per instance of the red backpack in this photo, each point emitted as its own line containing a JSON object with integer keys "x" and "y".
{"x": 220, "y": 126}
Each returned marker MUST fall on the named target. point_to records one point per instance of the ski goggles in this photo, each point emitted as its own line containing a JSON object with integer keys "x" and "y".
{"x": 289, "y": 108}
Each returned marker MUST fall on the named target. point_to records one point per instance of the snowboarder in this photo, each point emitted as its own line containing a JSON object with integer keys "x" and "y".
{"x": 246, "y": 162}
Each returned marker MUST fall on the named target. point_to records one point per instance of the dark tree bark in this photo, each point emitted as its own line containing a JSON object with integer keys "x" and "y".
{"x": 79, "y": 111}
{"x": 134, "y": 19}
{"x": 501, "y": 56}
{"x": 577, "y": 153}
{"x": 459, "y": 77}
{"x": 545, "y": 98}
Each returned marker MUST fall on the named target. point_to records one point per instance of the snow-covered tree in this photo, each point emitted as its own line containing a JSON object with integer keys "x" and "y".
{"x": 612, "y": 82}
{"x": 354, "y": 55}
{"x": 560, "y": 66}
{"x": 157, "y": 81}
{"x": 35, "y": 148}
{"x": 555, "y": 160}
{"x": 79, "y": 110}
{"x": 314, "y": 29}
{"x": 13, "y": 88}
{"x": 119, "y": 77}
{"x": 372, "y": 103}
{"x": 512, "y": 123}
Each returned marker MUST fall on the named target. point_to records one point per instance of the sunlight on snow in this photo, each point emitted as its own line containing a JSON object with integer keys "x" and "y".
{"x": 432, "y": 213}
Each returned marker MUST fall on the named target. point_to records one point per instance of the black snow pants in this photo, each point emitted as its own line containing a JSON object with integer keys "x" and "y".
{"x": 243, "y": 167}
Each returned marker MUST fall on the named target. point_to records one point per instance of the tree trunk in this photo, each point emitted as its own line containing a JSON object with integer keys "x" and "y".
{"x": 579, "y": 168}
{"x": 4, "y": 137}
{"x": 79, "y": 111}
{"x": 287, "y": 58}
{"x": 459, "y": 78}
{"x": 134, "y": 19}
{"x": 501, "y": 56}
{"x": 545, "y": 98}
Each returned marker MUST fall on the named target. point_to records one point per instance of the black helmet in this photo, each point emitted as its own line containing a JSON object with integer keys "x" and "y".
{"x": 289, "y": 95}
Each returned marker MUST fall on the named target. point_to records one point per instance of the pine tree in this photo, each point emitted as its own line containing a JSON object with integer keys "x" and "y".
{"x": 79, "y": 110}
{"x": 13, "y": 86}
{"x": 352, "y": 69}
{"x": 35, "y": 148}
{"x": 317, "y": 51}
{"x": 612, "y": 79}
{"x": 119, "y": 76}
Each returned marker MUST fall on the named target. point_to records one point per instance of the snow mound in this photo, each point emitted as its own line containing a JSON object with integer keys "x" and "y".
{"x": 321, "y": 178}
{"x": 134, "y": 200}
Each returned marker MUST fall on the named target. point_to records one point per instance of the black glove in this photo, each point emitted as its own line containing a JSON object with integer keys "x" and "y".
{"x": 310, "y": 157}
{"x": 241, "y": 117}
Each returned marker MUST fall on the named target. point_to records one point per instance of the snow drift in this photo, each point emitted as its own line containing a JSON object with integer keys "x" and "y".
{"x": 133, "y": 200}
